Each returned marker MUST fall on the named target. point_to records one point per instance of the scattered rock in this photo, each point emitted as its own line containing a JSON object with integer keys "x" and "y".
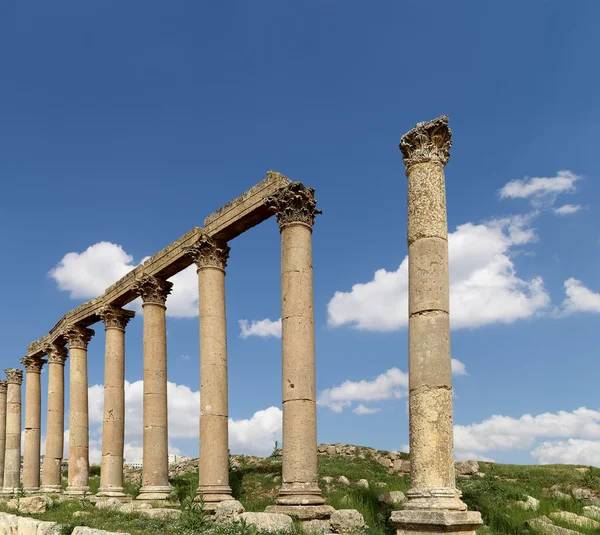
{"x": 322, "y": 448}
{"x": 109, "y": 503}
{"x": 574, "y": 519}
{"x": 592, "y": 511}
{"x": 466, "y": 468}
{"x": 228, "y": 512}
{"x": 331, "y": 450}
{"x": 79, "y": 514}
{"x": 363, "y": 483}
{"x": 161, "y": 513}
{"x": 380, "y": 485}
{"x": 319, "y": 527}
{"x": 530, "y": 504}
{"x": 555, "y": 493}
{"x": 12, "y": 504}
{"x": 581, "y": 494}
{"x": 268, "y": 521}
{"x": 402, "y": 466}
{"x": 327, "y": 479}
{"x": 385, "y": 462}
{"x": 339, "y": 448}
{"x": 347, "y": 521}
{"x": 34, "y": 504}
{"x": 134, "y": 506}
{"x": 544, "y": 525}
{"x": 343, "y": 480}
{"x": 393, "y": 498}
{"x": 82, "y": 530}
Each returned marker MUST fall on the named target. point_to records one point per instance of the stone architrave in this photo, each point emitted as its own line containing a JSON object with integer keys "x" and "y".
{"x": 113, "y": 428}
{"x": 12, "y": 456}
{"x": 55, "y": 420}
{"x": 210, "y": 257}
{"x": 155, "y": 470}
{"x": 33, "y": 416}
{"x": 295, "y": 207}
{"x": 433, "y": 502}
{"x": 3, "y": 387}
{"x": 78, "y": 338}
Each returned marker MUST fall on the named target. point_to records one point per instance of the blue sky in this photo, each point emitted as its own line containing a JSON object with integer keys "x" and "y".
{"x": 129, "y": 123}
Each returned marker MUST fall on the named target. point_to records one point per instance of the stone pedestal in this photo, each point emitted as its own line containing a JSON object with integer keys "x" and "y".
{"x": 12, "y": 456}
{"x": 55, "y": 421}
{"x": 3, "y": 387}
{"x": 295, "y": 209}
{"x": 113, "y": 427}
{"x": 433, "y": 502}
{"x": 33, "y": 415}
{"x": 78, "y": 338}
{"x": 211, "y": 258}
{"x": 155, "y": 471}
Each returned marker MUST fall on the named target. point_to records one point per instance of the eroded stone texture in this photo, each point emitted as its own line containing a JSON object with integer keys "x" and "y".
{"x": 155, "y": 472}
{"x": 3, "y": 387}
{"x": 78, "y": 338}
{"x": 113, "y": 427}
{"x": 12, "y": 456}
{"x": 33, "y": 415}
{"x": 295, "y": 207}
{"x": 55, "y": 420}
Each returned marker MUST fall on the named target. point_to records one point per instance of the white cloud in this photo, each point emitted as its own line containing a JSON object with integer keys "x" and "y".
{"x": 257, "y": 435}
{"x": 579, "y": 298}
{"x": 263, "y": 328}
{"x": 458, "y": 367}
{"x": 507, "y": 433}
{"x": 361, "y": 409}
{"x": 484, "y": 286}
{"x": 542, "y": 191}
{"x": 567, "y": 209}
{"x": 572, "y": 451}
{"x": 391, "y": 384}
{"x": 87, "y": 275}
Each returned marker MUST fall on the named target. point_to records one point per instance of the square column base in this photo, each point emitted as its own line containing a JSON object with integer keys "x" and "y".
{"x": 428, "y": 521}
{"x": 51, "y": 489}
{"x": 111, "y": 492}
{"x": 77, "y": 491}
{"x": 152, "y": 493}
{"x": 303, "y": 512}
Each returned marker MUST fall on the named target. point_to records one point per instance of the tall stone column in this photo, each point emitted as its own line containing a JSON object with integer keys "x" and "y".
{"x": 79, "y": 464}
{"x": 12, "y": 455}
{"x": 211, "y": 258}
{"x": 113, "y": 428}
{"x": 434, "y": 503}
{"x": 295, "y": 208}
{"x": 155, "y": 471}
{"x": 55, "y": 420}
{"x": 3, "y": 387}
{"x": 33, "y": 416}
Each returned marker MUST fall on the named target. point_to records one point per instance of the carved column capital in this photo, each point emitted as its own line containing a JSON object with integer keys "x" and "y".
{"x": 115, "y": 317}
{"x": 294, "y": 204}
{"x": 152, "y": 289}
{"x": 14, "y": 376}
{"x": 208, "y": 252}
{"x": 57, "y": 354}
{"x": 427, "y": 141}
{"x": 3, "y": 386}
{"x": 32, "y": 364}
{"x": 78, "y": 336}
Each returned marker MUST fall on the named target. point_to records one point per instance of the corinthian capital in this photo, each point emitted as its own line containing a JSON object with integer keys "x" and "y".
{"x": 207, "y": 252}
{"x": 78, "y": 336}
{"x": 3, "y": 386}
{"x": 294, "y": 204}
{"x": 152, "y": 289}
{"x": 56, "y": 354}
{"x": 32, "y": 364}
{"x": 14, "y": 376}
{"x": 115, "y": 317}
{"x": 428, "y": 141}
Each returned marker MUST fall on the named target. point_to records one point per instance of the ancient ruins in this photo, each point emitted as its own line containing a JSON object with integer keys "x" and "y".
{"x": 434, "y": 503}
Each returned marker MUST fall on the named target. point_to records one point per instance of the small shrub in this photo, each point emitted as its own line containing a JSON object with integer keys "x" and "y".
{"x": 95, "y": 470}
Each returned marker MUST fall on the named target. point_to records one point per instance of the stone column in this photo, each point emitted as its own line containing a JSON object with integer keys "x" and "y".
{"x": 3, "y": 387}
{"x": 12, "y": 456}
{"x": 55, "y": 420}
{"x": 433, "y": 503}
{"x": 211, "y": 258}
{"x": 155, "y": 471}
{"x": 33, "y": 416}
{"x": 78, "y": 338}
{"x": 113, "y": 428}
{"x": 295, "y": 208}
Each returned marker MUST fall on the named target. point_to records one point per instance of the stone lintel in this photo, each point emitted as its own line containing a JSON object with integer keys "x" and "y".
{"x": 245, "y": 211}
{"x": 303, "y": 512}
{"x": 418, "y": 521}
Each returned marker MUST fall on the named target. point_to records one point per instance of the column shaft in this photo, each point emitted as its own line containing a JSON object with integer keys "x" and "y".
{"x": 3, "y": 387}
{"x": 33, "y": 413}
{"x": 12, "y": 458}
{"x": 55, "y": 421}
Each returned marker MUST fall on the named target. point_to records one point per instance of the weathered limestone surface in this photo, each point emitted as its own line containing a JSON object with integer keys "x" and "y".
{"x": 155, "y": 472}
{"x": 3, "y": 387}
{"x": 210, "y": 257}
{"x": 55, "y": 420}
{"x": 12, "y": 456}
{"x": 295, "y": 207}
{"x": 113, "y": 427}
{"x": 433, "y": 502}
{"x": 78, "y": 338}
{"x": 33, "y": 415}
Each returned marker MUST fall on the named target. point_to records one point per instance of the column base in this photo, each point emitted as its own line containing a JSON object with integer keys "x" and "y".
{"x": 300, "y": 495}
{"x": 10, "y": 492}
{"x": 213, "y": 495}
{"x": 31, "y": 490}
{"x": 303, "y": 512}
{"x": 51, "y": 489}
{"x": 426, "y": 522}
{"x": 434, "y": 498}
{"x": 155, "y": 492}
{"x": 111, "y": 492}
{"x": 77, "y": 491}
